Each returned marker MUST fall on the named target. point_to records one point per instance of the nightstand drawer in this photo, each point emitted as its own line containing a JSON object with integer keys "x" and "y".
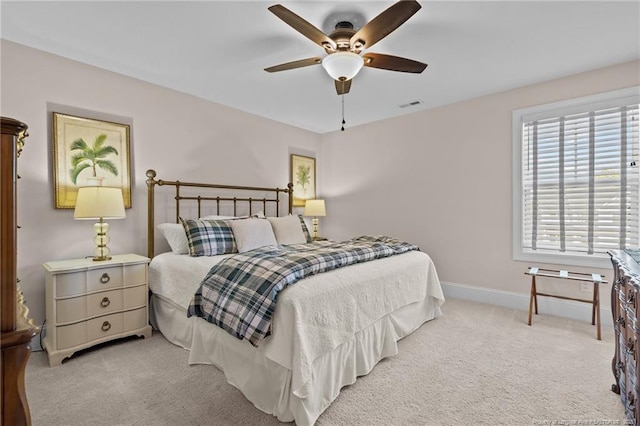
{"x": 78, "y": 283}
{"x": 135, "y": 274}
{"x": 95, "y": 304}
{"x": 72, "y": 284}
{"x": 80, "y": 333}
{"x": 104, "y": 279}
{"x": 86, "y": 331}
{"x": 83, "y": 307}
{"x": 136, "y": 319}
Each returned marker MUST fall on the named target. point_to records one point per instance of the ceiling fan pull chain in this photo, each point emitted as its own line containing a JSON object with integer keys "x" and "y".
{"x": 343, "y": 122}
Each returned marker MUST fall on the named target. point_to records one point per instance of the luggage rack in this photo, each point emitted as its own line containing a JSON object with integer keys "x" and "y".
{"x": 596, "y": 279}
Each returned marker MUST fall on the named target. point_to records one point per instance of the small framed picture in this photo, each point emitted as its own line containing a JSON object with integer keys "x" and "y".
{"x": 303, "y": 177}
{"x": 89, "y": 152}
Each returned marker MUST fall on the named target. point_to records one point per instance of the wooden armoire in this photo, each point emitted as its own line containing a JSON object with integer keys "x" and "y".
{"x": 17, "y": 329}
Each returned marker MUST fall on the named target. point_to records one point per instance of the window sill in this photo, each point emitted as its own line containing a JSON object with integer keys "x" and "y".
{"x": 601, "y": 261}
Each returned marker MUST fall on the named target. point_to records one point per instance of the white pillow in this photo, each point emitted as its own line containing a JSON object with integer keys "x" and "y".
{"x": 252, "y": 233}
{"x": 175, "y": 236}
{"x": 287, "y": 229}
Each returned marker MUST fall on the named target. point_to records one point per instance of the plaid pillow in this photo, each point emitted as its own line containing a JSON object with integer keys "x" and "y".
{"x": 307, "y": 235}
{"x": 209, "y": 237}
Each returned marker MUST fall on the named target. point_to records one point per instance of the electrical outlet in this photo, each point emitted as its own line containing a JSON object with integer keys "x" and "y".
{"x": 585, "y": 287}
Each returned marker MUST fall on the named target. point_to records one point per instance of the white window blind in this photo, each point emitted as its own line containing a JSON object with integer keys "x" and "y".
{"x": 580, "y": 179}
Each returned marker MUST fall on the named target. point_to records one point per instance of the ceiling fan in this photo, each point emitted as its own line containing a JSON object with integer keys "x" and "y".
{"x": 344, "y": 45}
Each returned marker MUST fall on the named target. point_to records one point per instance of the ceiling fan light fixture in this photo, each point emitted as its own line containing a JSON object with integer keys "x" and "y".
{"x": 343, "y": 65}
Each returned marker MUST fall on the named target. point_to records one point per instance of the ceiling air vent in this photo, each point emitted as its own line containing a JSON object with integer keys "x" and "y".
{"x": 411, "y": 104}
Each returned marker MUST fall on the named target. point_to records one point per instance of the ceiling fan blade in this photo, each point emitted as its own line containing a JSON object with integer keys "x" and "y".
{"x": 343, "y": 87}
{"x": 385, "y": 23}
{"x": 303, "y": 27}
{"x": 294, "y": 64}
{"x": 392, "y": 63}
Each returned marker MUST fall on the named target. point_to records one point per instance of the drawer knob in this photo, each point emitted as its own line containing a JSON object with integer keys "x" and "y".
{"x": 105, "y": 302}
{"x": 106, "y": 326}
{"x": 105, "y": 278}
{"x": 631, "y": 350}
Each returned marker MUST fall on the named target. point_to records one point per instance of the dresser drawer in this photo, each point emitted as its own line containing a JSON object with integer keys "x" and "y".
{"x": 133, "y": 320}
{"x": 97, "y": 328}
{"x": 83, "y": 307}
{"x": 629, "y": 331}
{"x": 630, "y": 403}
{"x": 135, "y": 274}
{"x": 77, "y": 334}
{"x": 630, "y": 298}
{"x": 122, "y": 322}
{"x": 77, "y": 283}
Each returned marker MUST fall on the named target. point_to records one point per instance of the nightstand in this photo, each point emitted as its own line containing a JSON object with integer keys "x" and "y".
{"x": 89, "y": 302}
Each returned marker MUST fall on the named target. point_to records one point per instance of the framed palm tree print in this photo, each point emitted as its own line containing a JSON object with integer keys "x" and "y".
{"x": 303, "y": 177}
{"x": 89, "y": 152}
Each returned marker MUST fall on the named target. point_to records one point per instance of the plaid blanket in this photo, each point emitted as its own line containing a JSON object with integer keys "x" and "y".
{"x": 239, "y": 294}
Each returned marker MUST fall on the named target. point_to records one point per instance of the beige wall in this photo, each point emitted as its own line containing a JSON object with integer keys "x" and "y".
{"x": 442, "y": 179}
{"x": 178, "y": 135}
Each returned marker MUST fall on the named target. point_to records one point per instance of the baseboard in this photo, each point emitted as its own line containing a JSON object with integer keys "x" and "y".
{"x": 546, "y": 306}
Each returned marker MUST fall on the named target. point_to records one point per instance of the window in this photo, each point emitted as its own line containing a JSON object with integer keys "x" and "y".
{"x": 577, "y": 179}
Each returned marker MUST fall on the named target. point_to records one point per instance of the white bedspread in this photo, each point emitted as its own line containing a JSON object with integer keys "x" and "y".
{"x": 319, "y": 313}
{"x": 177, "y": 277}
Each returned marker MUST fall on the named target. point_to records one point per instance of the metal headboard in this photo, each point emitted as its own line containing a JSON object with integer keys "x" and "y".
{"x": 152, "y": 182}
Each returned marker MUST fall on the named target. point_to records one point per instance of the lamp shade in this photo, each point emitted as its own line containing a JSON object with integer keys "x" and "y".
{"x": 343, "y": 65}
{"x": 95, "y": 202}
{"x": 314, "y": 208}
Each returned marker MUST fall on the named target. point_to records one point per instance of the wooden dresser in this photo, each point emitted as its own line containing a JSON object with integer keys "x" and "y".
{"x": 17, "y": 329}
{"x": 624, "y": 307}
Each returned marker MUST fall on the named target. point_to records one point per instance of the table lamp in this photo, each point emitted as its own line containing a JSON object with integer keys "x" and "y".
{"x": 315, "y": 208}
{"x": 100, "y": 202}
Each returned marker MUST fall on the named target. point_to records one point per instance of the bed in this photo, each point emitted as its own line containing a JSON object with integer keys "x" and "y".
{"x": 327, "y": 329}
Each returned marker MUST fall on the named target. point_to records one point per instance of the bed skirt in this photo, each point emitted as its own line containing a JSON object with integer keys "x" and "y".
{"x": 266, "y": 383}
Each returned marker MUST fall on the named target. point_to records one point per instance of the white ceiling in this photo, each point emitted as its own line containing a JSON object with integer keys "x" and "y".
{"x": 217, "y": 50}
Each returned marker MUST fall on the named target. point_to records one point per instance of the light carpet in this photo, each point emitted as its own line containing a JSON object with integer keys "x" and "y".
{"x": 476, "y": 365}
